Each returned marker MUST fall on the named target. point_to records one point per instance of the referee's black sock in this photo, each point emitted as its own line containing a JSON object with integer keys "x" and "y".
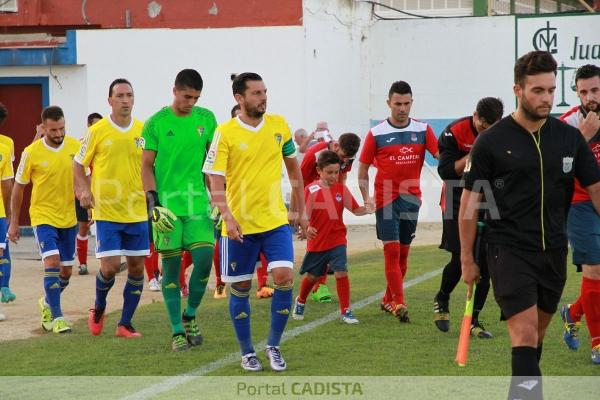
{"x": 526, "y": 382}
{"x": 539, "y": 352}
{"x": 450, "y": 277}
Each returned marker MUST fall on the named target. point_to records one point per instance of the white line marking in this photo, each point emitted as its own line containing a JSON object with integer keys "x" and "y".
{"x": 174, "y": 381}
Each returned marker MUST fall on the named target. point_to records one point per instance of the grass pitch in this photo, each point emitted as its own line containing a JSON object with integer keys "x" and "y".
{"x": 378, "y": 346}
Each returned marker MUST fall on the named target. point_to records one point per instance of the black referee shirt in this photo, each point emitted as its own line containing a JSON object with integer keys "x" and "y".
{"x": 527, "y": 179}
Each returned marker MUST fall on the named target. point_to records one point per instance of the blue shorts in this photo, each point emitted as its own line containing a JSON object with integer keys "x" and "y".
{"x": 583, "y": 229}
{"x": 398, "y": 220}
{"x": 238, "y": 260}
{"x": 122, "y": 239}
{"x": 52, "y": 241}
{"x": 3, "y": 231}
{"x": 316, "y": 262}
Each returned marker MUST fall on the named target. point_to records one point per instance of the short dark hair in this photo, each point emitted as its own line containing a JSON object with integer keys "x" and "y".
{"x": 54, "y": 113}
{"x": 117, "y": 82}
{"x": 349, "y": 143}
{"x": 586, "y": 72}
{"x": 189, "y": 78}
{"x": 534, "y": 63}
{"x": 490, "y": 109}
{"x": 326, "y": 158}
{"x": 3, "y": 112}
{"x": 400, "y": 87}
{"x": 239, "y": 83}
{"x": 92, "y": 117}
{"x": 234, "y": 109}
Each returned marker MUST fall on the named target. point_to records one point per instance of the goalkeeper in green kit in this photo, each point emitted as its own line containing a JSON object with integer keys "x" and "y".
{"x": 176, "y": 140}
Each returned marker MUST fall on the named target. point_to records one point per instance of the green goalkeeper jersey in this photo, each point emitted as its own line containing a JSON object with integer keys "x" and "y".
{"x": 181, "y": 144}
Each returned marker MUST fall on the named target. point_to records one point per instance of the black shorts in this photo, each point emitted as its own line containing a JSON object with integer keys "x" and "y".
{"x": 523, "y": 278}
{"x": 82, "y": 213}
{"x": 450, "y": 236}
{"x": 316, "y": 263}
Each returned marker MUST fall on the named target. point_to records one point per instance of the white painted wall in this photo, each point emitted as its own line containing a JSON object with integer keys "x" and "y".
{"x": 450, "y": 63}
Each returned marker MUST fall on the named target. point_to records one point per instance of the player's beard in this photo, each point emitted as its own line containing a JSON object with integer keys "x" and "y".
{"x": 56, "y": 140}
{"x": 531, "y": 113}
{"x": 256, "y": 112}
{"x": 591, "y": 106}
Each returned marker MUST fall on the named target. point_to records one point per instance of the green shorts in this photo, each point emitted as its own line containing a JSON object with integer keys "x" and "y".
{"x": 188, "y": 230}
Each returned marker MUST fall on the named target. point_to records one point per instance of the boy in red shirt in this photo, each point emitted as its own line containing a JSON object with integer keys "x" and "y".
{"x": 325, "y": 203}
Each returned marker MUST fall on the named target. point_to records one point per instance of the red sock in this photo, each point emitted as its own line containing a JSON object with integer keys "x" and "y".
{"x": 305, "y": 287}
{"x": 590, "y": 298}
{"x": 186, "y": 261}
{"x": 576, "y": 309}
{"x": 217, "y": 263}
{"x": 261, "y": 272}
{"x": 404, "y": 249}
{"x": 387, "y": 297}
{"x": 151, "y": 263}
{"x": 342, "y": 285}
{"x": 82, "y": 248}
{"x": 322, "y": 280}
{"x": 393, "y": 275}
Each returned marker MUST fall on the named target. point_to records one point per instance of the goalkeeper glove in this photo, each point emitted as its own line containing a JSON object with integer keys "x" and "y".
{"x": 215, "y": 215}
{"x": 161, "y": 217}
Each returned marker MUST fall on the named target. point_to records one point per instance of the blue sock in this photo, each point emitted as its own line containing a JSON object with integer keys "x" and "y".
{"x": 103, "y": 286}
{"x": 52, "y": 288}
{"x": 64, "y": 282}
{"x": 239, "y": 310}
{"x": 5, "y": 267}
{"x": 281, "y": 306}
{"x": 131, "y": 297}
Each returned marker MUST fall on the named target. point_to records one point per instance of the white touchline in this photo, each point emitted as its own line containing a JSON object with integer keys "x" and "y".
{"x": 174, "y": 381}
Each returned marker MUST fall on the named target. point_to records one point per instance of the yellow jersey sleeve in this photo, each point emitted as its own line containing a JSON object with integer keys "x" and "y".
{"x": 24, "y": 170}
{"x": 6, "y": 164}
{"x": 86, "y": 152}
{"x": 218, "y": 155}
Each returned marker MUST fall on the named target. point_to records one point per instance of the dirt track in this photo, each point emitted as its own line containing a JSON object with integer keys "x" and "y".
{"x": 22, "y": 315}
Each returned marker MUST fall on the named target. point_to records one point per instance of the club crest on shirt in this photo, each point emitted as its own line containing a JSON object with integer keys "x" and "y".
{"x": 338, "y": 197}
{"x": 567, "y": 164}
{"x": 200, "y": 130}
{"x": 139, "y": 142}
{"x": 278, "y": 138}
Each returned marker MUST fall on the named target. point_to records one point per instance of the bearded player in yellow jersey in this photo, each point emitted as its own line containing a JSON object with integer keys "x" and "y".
{"x": 6, "y": 295}
{"x": 114, "y": 145}
{"x": 248, "y": 152}
{"x": 46, "y": 163}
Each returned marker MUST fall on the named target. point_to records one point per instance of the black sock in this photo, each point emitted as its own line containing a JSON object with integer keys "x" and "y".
{"x": 539, "y": 352}
{"x": 450, "y": 277}
{"x": 526, "y": 383}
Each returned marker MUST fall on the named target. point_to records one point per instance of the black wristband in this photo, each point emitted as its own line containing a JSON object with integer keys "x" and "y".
{"x": 152, "y": 199}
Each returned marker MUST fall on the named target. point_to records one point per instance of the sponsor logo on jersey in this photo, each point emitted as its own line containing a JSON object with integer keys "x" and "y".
{"x": 170, "y": 133}
{"x": 405, "y": 150}
{"x": 413, "y": 137}
{"x": 233, "y": 266}
{"x": 314, "y": 188}
{"x": 390, "y": 140}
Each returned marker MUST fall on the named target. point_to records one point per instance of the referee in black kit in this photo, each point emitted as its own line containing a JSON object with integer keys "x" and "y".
{"x": 525, "y": 165}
